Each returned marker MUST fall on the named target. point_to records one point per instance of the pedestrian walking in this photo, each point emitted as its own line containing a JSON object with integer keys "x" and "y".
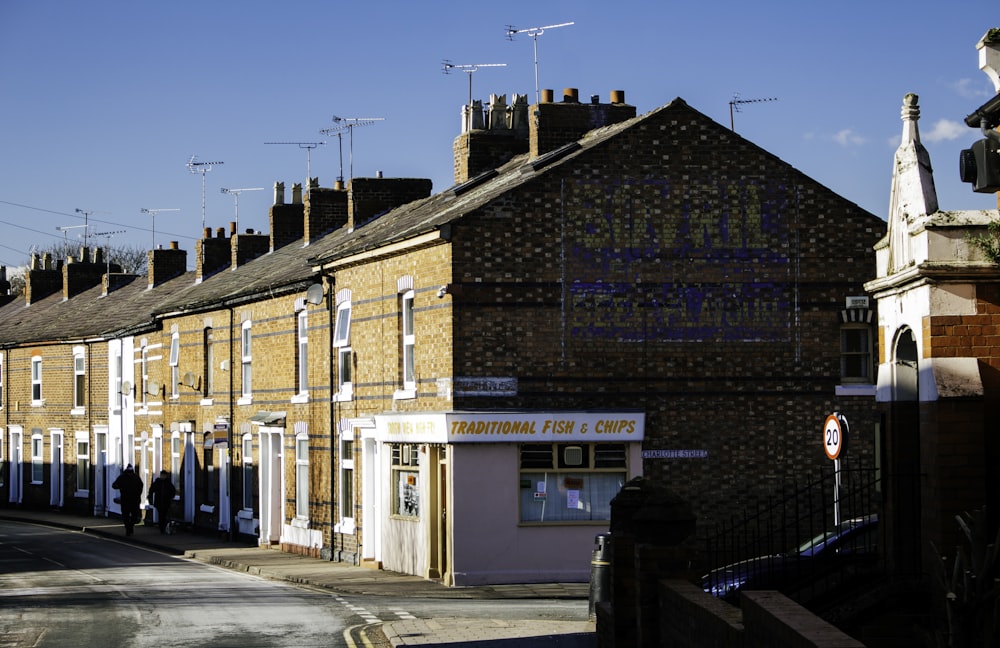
{"x": 161, "y": 494}
{"x": 129, "y": 485}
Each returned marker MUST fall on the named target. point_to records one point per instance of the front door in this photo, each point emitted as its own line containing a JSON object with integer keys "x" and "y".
{"x": 272, "y": 476}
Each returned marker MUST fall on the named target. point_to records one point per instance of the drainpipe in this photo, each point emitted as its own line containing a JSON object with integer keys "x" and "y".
{"x": 232, "y": 423}
{"x": 988, "y": 132}
{"x": 334, "y": 415}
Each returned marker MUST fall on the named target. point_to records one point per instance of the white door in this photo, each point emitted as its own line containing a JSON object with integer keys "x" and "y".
{"x": 371, "y": 498}
{"x": 225, "y": 518}
{"x": 100, "y": 470}
{"x": 56, "y": 468}
{"x": 16, "y": 463}
{"x": 271, "y": 485}
{"x": 188, "y": 465}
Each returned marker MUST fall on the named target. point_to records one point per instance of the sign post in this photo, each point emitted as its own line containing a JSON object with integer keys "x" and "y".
{"x": 835, "y": 431}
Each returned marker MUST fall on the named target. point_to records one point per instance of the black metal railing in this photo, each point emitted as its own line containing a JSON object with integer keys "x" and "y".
{"x": 810, "y": 541}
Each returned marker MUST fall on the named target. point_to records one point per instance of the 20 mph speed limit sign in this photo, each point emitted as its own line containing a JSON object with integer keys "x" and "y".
{"x": 834, "y": 435}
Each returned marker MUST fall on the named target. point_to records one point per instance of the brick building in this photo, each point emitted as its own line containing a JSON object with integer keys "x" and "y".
{"x": 455, "y": 385}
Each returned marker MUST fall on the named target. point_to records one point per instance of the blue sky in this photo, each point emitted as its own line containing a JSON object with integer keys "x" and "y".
{"x": 104, "y": 103}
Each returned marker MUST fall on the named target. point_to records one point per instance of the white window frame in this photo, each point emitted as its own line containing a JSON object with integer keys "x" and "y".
{"x": 302, "y": 476}
{"x": 79, "y": 381}
{"x": 407, "y": 347}
{"x": 118, "y": 368}
{"x": 345, "y": 485}
{"x": 37, "y": 399}
{"x": 246, "y": 363}
{"x": 175, "y": 371}
{"x": 176, "y": 452}
{"x": 302, "y": 356}
{"x": 82, "y": 447}
{"x": 144, "y": 375}
{"x": 37, "y": 457}
{"x": 404, "y": 480}
{"x": 208, "y": 342}
{"x": 2, "y": 400}
{"x": 249, "y": 491}
{"x": 345, "y": 357}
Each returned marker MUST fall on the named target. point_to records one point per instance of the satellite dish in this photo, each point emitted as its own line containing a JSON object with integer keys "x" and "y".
{"x": 153, "y": 388}
{"x": 126, "y": 388}
{"x": 314, "y": 295}
{"x": 189, "y": 379}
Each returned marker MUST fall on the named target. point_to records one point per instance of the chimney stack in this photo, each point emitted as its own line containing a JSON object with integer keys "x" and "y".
{"x": 557, "y": 124}
{"x": 212, "y": 255}
{"x": 325, "y": 211}
{"x": 80, "y": 276}
{"x": 41, "y": 280}
{"x": 165, "y": 265}
{"x": 493, "y": 140}
{"x": 371, "y": 197}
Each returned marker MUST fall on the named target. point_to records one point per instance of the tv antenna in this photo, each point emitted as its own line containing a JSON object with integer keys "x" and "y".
{"x": 203, "y": 168}
{"x": 736, "y": 102}
{"x": 236, "y": 195}
{"x": 534, "y": 32}
{"x": 107, "y": 250}
{"x": 153, "y": 213}
{"x": 65, "y": 228}
{"x": 349, "y": 124}
{"x": 86, "y": 217}
{"x": 308, "y": 146}
{"x": 469, "y": 69}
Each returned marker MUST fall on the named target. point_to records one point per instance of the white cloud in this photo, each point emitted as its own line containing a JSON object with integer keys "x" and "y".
{"x": 848, "y": 137}
{"x": 945, "y": 129}
{"x": 971, "y": 89}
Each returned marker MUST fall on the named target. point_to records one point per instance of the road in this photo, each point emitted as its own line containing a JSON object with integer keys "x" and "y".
{"x": 65, "y": 588}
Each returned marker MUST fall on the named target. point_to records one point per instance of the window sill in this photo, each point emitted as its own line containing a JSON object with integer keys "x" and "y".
{"x": 244, "y": 514}
{"x": 345, "y": 526}
{"x": 860, "y": 389}
{"x": 345, "y": 395}
{"x": 246, "y": 400}
{"x": 206, "y": 402}
{"x": 300, "y": 398}
{"x": 38, "y": 403}
{"x": 82, "y": 493}
{"x": 78, "y": 411}
{"x": 404, "y": 394}
{"x": 299, "y": 523}
{"x": 207, "y": 508}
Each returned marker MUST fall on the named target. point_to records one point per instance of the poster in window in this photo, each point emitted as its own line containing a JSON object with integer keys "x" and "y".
{"x": 409, "y": 496}
{"x": 573, "y": 499}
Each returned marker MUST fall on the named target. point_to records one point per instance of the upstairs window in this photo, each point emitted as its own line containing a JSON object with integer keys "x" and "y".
{"x": 175, "y": 372}
{"x": 302, "y": 351}
{"x": 209, "y": 355}
{"x": 246, "y": 358}
{"x": 856, "y": 353}
{"x": 36, "y": 380}
{"x": 79, "y": 379}
{"x": 1, "y": 380}
{"x": 342, "y": 344}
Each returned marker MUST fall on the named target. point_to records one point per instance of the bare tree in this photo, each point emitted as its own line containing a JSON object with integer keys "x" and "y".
{"x": 131, "y": 260}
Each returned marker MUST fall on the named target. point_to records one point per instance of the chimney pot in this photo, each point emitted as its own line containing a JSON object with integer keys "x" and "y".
{"x": 571, "y": 95}
{"x": 220, "y": 232}
{"x": 548, "y": 95}
{"x": 232, "y": 228}
{"x": 173, "y": 245}
{"x": 617, "y": 96}
{"x": 207, "y": 233}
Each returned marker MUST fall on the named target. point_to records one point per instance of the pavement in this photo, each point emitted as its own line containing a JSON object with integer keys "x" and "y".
{"x": 341, "y": 578}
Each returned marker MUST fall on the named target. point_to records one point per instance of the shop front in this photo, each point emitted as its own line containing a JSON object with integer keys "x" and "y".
{"x": 492, "y": 497}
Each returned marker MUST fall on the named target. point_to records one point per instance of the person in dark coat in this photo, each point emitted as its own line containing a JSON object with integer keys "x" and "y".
{"x": 161, "y": 493}
{"x": 129, "y": 485}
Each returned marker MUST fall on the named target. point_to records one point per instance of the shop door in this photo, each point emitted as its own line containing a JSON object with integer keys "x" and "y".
{"x": 371, "y": 498}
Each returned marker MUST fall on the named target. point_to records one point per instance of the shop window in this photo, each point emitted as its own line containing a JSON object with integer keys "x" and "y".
{"x": 342, "y": 344}
{"x": 856, "y": 353}
{"x": 302, "y": 476}
{"x": 82, "y": 464}
{"x": 570, "y": 482}
{"x": 405, "y": 480}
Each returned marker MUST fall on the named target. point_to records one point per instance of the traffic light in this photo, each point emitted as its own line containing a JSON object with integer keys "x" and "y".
{"x": 980, "y": 166}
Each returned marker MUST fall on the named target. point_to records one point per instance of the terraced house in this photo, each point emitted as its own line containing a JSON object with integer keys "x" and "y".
{"x": 456, "y": 384}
